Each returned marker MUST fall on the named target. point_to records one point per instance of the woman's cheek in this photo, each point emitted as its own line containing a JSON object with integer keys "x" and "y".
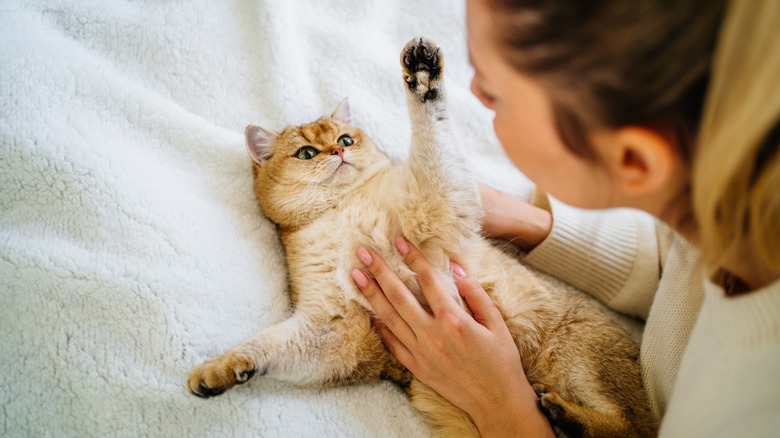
{"x": 512, "y": 146}
{"x": 477, "y": 92}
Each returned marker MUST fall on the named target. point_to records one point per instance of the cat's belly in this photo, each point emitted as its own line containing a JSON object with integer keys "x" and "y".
{"x": 322, "y": 255}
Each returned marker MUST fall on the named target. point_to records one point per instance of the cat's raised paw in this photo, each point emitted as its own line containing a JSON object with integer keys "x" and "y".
{"x": 422, "y": 63}
{"x": 216, "y": 376}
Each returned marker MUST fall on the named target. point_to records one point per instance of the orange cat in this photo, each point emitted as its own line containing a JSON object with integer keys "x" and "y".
{"x": 329, "y": 190}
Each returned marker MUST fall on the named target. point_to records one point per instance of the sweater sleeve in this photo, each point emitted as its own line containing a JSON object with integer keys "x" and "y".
{"x": 615, "y": 255}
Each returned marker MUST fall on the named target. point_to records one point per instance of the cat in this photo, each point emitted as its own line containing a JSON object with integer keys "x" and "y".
{"x": 329, "y": 189}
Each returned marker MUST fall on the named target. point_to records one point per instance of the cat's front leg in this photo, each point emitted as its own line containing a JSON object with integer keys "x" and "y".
{"x": 423, "y": 67}
{"x": 442, "y": 196}
{"x": 434, "y": 150}
{"x": 255, "y": 355}
{"x": 306, "y": 349}
{"x": 219, "y": 374}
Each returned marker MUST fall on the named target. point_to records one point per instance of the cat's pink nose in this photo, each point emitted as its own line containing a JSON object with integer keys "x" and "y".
{"x": 339, "y": 152}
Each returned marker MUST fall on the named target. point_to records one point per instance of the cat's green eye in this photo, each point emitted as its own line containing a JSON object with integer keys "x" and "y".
{"x": 306, "y": 153}
{"x": 345, "y": 140}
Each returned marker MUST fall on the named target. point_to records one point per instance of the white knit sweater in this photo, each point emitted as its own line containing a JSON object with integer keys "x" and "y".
{"x": 710, "y": 363}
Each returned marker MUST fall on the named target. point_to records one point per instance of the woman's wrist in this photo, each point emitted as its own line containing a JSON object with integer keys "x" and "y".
{"x": 518, "y": 414}
{"x": 531, "y": 227}
{"x": 513, "y": 220}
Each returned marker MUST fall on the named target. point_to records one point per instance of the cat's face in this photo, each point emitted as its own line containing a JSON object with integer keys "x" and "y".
{"x": 306, "y": 169}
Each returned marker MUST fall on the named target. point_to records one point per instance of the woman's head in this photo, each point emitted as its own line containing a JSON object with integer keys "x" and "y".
{"x": 620, "y": 92}
{"x": 601, "y": 65}
{"x": 612, "y": 63}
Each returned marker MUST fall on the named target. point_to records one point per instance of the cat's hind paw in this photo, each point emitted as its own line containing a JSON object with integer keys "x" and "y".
{"x": 216, "y": 376}
{"x": 550, "y": 402}
{"x": 561, "y": 413}
{"x": 422, "y": 63}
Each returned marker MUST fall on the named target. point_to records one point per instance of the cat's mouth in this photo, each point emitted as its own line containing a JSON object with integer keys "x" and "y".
{"x": 342, "y": 166}
{"x": 338, "y": 169}
{"x": 343, "y": 162}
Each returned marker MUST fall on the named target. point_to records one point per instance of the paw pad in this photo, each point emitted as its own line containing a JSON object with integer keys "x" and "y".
{"x": 218, "y": 375}
{"x": 422, "y": 62}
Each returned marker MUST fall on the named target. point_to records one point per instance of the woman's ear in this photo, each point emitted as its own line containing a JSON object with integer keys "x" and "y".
{"x": 643, "y": 161}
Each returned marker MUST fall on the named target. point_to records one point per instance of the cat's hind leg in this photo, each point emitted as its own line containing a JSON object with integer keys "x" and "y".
{"x": 571, "y": 419}
{"x": 444, "y": 418}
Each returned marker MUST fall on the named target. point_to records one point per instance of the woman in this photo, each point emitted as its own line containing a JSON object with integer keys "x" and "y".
{"x": 668, "y": 107}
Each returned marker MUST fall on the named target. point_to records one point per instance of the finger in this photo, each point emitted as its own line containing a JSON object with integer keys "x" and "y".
{"x": 428, "y": 278}
{"x": 404, "y": 302}
{"x": 484, "y": 309}
{"x": 382, "y": 307}
{"x": 396, "y": 347}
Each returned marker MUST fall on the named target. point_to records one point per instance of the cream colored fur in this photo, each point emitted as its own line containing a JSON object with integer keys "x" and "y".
{"x": 347, "y": 197}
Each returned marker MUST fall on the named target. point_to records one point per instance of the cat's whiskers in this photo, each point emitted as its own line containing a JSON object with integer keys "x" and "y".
{"x": 295, "y": 187}
{"x": 308, "y": 193}
{"x": 304, "y": 179}
{"x": 301, "y": 177}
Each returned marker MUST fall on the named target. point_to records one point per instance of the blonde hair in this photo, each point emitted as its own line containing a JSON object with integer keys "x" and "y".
{"x": 702, "y": 73}
{"x": 613, "y": 63}
{"x": 736, "y": 170}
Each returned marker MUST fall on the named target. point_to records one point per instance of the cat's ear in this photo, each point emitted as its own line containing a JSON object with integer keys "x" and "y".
{"x": 343, "y": 112}
{"x": 260, "y": 143}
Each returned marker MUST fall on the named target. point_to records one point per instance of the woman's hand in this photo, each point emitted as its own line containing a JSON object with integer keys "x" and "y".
{"x": 513, "y": 220}
{"x": 471, "y": 361}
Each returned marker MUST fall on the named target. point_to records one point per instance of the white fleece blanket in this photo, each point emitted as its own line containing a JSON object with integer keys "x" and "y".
{"x": 131, "y": 245}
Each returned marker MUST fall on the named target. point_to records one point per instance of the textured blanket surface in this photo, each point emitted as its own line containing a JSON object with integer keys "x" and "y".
{"x": 131, "y": 245}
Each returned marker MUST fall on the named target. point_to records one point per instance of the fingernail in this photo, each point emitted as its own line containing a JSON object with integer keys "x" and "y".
{"x": 457, "y": 271}
{"x": 364, "y": 256}
{"x": 402, "y": 246}
{"x": 359, "y": 277}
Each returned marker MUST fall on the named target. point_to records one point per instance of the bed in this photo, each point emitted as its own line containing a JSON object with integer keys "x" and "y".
{"x": 131, "y": 245}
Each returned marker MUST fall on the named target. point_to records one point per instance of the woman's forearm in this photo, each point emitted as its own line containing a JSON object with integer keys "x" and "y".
{"x": 516, "y": 414}
{"x": 513, "y": 220}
